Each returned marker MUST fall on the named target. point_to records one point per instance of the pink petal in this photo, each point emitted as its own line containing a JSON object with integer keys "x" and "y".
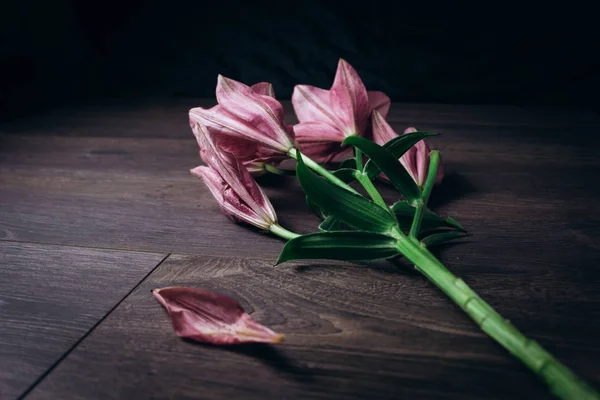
{"x": 440, "y": 172}
{"x": 422, "y": 161}
{"x": 264, "y": 113}
{"x": 229, "y": 202}
{"x": 239, "y": 211}
{"x": 320, "y": 141}
{"x": 312, "y": 104}
{"x": 263, "y": 88}
{"x": 219, "y": 119}
{"x": 349, "y": 99}
{"x": 234, "y": 173}
{"x": 213, "y": 181}
{"x": 379, "y": 101}
{"x": 212, "y": 318}
{"x": 246, "y": 150}
{"x": 409, "y": 161}
{"x": 382, "y": 131}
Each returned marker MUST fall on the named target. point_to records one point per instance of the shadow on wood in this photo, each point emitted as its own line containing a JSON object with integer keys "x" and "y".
{"x": 454, "y": 187}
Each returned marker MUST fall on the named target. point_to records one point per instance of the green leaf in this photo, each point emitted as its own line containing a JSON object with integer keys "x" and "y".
{"x": 350, "y": 208}
{"x": 348, "y": 163}
{"x": 453, "y": 223}
{"x": 315, "y": 209}
{"x": 443, "y": 237}
{"x": 339, "y": 245}
{"x": 389, "y": 165}
{"x": 330, "y": 224}
{"x": 405, "y": 214}
{"x": 398, "y": 146}
{"x": 346, "y": 174}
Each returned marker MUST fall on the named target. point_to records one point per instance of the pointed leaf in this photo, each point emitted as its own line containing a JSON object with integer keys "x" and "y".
{"x": 212, "y": 318}
{"x": 315, "y": 209}
{"x": 339, "y": 245}
{"x": 455, "y": 224}
{"x": 442, "y": 237}
{"x": 405, "y": 214}
{"x": 348, "y": 163}
{"x": 398, "y": 146}
{"x": 330, "y": 224}
{"x": 346, "y": 174}
{"x": 353, "y": 209}
{"x": 389, "y": 165}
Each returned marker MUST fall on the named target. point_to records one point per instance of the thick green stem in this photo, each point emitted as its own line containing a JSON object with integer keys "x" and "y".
{"x": 434, "y": 162}
{"x": 316, "y": 167}
{"x": 280, "y": 231}
{"x": 562, "y": 382}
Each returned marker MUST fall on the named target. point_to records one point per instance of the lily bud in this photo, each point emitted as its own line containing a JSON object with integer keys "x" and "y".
{"x": 237, "y": 193}
{"x": 415, "y": 160}
{"x": 327, "y": 117}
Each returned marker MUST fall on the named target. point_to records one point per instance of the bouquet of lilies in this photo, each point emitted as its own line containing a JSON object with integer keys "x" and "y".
{"x": 245, "y": 136}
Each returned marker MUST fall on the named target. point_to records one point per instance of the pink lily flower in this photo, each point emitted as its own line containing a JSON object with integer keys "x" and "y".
{"x": 415, "y": 160}
{"x": 327, "y": 117}
{"x": 211, "y": 318}
{"x": 247, "y": 122}
{"x": 237, "y": 193}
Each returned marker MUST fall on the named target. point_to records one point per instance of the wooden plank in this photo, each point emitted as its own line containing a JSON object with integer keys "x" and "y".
{"x": 117, "y": 177}
{"x": 50, "y": 297}
{"x": 137, "y": 194}
{"x": 352, "y": 331}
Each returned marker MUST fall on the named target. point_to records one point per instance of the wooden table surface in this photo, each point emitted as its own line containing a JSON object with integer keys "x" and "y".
{"x": 97, "y": 207}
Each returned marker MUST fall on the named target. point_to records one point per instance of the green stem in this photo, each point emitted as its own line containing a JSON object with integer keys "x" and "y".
{"x": 316, "y": 167}
{"x": 280, "y": 231}
{"x": 562, "y": 382}
{"x": 434, "y": 162}
{"x": 359, "y": 163}
{"x": 371, "y": 190}
{"x": 274, "y": 170}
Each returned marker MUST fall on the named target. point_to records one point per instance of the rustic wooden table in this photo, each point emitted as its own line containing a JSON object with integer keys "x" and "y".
{"x": 97, "y": 207}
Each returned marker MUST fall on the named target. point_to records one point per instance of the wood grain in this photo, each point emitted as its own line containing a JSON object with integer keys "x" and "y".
{"x": 523, "y": 181}
{"x": 50, "y": 296}
{"x": 137, "y": 194}
{"x": 352, "y": 331}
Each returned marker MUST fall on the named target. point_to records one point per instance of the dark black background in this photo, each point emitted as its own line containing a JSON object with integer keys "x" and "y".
{"x": 60, "y": 51}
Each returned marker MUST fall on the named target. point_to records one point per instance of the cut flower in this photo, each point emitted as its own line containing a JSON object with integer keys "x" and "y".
{"x": 236, "y": 191}
{"x": 248, "y": 122}
{"x": 327, "y": 117}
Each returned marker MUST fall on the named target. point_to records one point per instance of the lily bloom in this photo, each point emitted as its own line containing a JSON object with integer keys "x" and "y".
{"x": 247, "y": 122}
{"x": 237, "y": 193}
{"x": 327, "y": 117}
{"x": 212, "y": 318}
{"x": 415, "y": 160}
